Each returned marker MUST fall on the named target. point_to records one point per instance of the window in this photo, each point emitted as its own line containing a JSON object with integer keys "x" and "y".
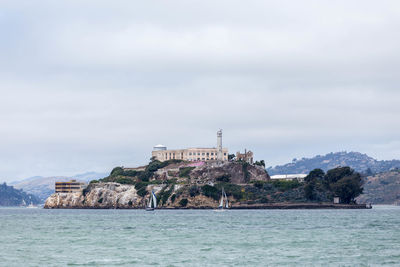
{"x": 190, "y": 153}
{"x": 208, "y": 153}
{"x": 202, "y": 154}
{"x": 203, "y": 159}
{"x": 212, "y": 153}
{"x": 198, "y": 153}
{"x": 224, "y": 154}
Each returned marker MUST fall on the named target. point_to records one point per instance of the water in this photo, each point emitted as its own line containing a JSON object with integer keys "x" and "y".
{"x": 37, "y": 237}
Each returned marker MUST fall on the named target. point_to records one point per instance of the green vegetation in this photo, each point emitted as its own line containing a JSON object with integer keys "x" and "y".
{"x": 185, "y": 171}
{"x": 165, "y": 194}
{"x": 343, "y": 182}
{"x": 231, "y": 157}
{"x": 210, "y": 191}
{"x": 194, "y": 190}
{"x": 173, "y": 197}
{"x": 123, "y": 180}
{"x": 226, "y": 178}
{"x": 117, "y": 171}
{"x": 141, "y": 188}
{"x": 246, "y": 173}
{"x": 183, "y": 202}
{"x": 283, "y": 185}
{"x": 260, "y": 163}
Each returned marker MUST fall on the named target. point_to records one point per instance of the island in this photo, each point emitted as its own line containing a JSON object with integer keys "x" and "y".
{"x": 180, "y": 184}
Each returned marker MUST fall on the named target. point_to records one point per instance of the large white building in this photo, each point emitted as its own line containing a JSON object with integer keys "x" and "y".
{"x": 161, "y": 153}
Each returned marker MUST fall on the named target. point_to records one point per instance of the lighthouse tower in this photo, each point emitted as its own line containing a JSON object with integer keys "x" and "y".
{"x": 219, "y": 145}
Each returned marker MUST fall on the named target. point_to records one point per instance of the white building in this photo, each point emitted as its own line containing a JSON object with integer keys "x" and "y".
{"x": 289, "y": 177}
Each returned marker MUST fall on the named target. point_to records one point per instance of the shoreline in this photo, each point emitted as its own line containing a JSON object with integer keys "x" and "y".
{"x": 287, "y": 206}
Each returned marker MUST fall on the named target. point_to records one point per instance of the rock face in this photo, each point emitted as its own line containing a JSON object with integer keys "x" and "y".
{"x": 99, "y": 195}
{"x": 178, "y": 185}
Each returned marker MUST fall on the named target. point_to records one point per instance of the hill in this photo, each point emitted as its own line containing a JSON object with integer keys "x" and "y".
{"x": 357, "y": 161}
{"x": 43, "y": 187}
{"x": 9, "y": 196}
{"x": 382, "y": 188}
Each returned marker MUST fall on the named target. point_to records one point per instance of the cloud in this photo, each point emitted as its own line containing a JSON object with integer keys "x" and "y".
{"x": 88, "y": 85}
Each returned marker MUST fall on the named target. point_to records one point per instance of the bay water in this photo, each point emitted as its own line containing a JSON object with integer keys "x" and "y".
{"x": 39, "y": 237}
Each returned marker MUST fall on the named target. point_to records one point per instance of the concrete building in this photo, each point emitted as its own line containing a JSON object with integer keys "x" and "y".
{"x": 161, "y": 153}
{"x": 247, "y": 156}
{"x": 69, "y": 187}
{"x": 299, "y": 177}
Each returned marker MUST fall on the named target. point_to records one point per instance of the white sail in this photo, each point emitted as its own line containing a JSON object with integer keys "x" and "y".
{"x": 149, "y": 205}
{"x": 154, "y": 200}
{"x": 226, "y": 201}
{"x": 221, "y": 203}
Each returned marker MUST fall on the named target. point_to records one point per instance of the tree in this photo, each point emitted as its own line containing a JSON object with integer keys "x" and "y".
{"x": 315, "y": 174}
{"x": 260, "y": 163}
{"x": 348, "y": 188}
{"x": 231, "y": 156}
{"x": 309, "y": 192}
{"x": 334, "y": 175}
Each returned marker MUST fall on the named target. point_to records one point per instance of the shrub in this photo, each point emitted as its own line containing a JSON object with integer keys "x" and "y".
{"x": 210, "y": 191}
{"x": 100, "y": 200}
{"x": 85, "y": 191}
{"x": 145, "y": 176}
{"x": 194, "y": 191}
{"x": 165, "y": 194}
{"x": 123, "y": 180}
{"x": 173, "y": 197}
{"x": 132, "y": 173}
{"x": 283, "y": 185}
{"x": 93, "y": 182}
{"x": 141, "y": 188}
{"x": 185, "y": 171}
{"x": 117, "y": 171}
{"x": 259, "y": 184}
{"x": 226, "y": 178}
{"x": 246, "y": 173}
{"x": 183, "y": 202}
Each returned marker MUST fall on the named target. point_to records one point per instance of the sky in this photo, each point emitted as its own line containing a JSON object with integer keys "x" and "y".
{"x": 90, "y": 85}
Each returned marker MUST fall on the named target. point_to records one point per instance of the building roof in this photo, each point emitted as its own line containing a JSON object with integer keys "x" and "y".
{"x": 159, "y": 145}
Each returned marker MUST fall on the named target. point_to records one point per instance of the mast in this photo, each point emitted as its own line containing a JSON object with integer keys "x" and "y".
{"x": 226, "y": 200}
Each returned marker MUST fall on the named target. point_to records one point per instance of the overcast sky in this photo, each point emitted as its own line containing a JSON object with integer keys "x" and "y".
{"x": 89, "y": 85}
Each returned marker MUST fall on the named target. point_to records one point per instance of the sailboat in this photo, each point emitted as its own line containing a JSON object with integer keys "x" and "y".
{"x": 152, "y": 202}
{"x": 31, "y": 206}
{"x": 224, "y": 200}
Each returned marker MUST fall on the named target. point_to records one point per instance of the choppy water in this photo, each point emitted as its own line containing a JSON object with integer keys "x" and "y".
{"x": 37, "y": 237}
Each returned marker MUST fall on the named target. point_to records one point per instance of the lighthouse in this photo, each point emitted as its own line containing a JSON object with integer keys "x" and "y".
{"x": 219, "y": 145}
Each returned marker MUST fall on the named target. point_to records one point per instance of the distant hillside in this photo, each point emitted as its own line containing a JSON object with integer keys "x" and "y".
{"x": 9, "y": 196}
{"x": 383, "y": 188}
{"x": 359, "y": 162}
{"x": 43, "y": 187}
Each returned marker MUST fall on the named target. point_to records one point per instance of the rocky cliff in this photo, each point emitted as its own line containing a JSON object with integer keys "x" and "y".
{"x": 176, "y": 184}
